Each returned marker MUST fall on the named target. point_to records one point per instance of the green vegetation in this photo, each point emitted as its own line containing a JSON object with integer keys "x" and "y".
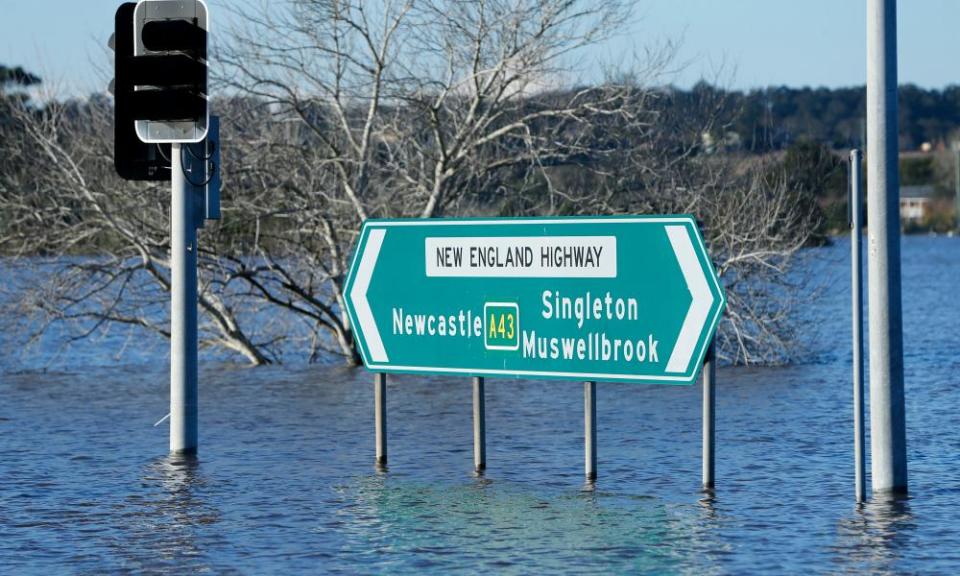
{"x": 819, "y": 175}
{"x": 809, "y": 132}
{"x": 16, "y": 77}
{"x": 774, "y": 118}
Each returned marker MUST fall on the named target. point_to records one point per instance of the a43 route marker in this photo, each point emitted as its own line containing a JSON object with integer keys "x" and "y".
{"x": 599, "y": 298}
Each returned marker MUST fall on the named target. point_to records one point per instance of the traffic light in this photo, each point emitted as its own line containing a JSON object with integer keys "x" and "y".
{"x": 133, "y": 158}
{"x": 169, "y": 70}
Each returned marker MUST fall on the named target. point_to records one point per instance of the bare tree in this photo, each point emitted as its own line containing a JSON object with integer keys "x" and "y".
{"x": 400, "y": 109}
{"x": 68, "y": 202}
{"x": 754, "y": 222}
{"x": 665, "y": 162}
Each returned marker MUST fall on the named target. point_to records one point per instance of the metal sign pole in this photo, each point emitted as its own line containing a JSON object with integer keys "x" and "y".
{"x": 856, "y": 285}
{"x": 956, "y": 190}
{"x": 709, "y": 414}
{"x": 380, "y": 410}
{"x": 590, "y": 429}
{"x": 479, "y": 426}
{"x": 183, "y": 312}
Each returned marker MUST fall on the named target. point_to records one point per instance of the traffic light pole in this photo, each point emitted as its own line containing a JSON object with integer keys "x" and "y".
{"x": 183, "y": 312}
{"x": 160, "y": 88}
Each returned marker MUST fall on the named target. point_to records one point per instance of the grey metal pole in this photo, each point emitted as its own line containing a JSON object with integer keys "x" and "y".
{"x": 956, "y": 191}
{"x": 856, "y": 285}
{"x": 709, "y": 417}
{"x": 479, "y": 426}
{"x": 590, "y": 429}
{"x": 380, "y": 409}
{"x": 183, "y": 312}
{"x": 887, "y": 419}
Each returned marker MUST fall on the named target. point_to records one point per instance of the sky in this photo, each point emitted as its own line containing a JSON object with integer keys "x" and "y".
{"x": 738, "y": 43}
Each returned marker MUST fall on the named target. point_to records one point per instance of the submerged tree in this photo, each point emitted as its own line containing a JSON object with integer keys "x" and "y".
{"x": 403, "y": 109}
{"x": 105, "y": 241}
{"x": 341, "y": 111}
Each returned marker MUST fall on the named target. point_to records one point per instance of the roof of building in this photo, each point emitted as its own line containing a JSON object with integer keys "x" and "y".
{"x": 924, "y": 191}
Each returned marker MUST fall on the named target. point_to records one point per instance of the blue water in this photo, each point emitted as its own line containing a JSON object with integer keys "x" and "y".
{"x": 285, "y": 481}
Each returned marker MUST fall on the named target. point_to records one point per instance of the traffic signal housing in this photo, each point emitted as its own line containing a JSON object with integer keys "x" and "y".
{"x": 170, "y": 71}
{"x": 133, "y": 158}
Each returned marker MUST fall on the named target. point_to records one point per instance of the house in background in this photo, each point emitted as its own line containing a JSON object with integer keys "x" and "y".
{"x": 915, "y": 203}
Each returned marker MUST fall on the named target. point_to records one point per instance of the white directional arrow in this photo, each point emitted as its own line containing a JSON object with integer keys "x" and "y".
{"x": 696, "y": 316}
{"x": 368, "y": 326}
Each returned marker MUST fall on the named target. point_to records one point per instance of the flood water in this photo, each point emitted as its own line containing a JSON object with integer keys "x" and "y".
{"x": 285, "y": 481}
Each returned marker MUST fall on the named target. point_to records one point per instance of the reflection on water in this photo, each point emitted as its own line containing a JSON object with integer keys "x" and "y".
{"x": 708, "y": 505}
{"x": 286, "y": 481}
{"x": 168, "y": 518}
{"x": 497, "y": 526}
{"x": 876, "y": 536}
{"x": 180, "y": 507}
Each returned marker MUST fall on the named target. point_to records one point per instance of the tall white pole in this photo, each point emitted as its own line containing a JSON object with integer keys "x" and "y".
{"x": 183, "y": 312}
{"x": 856, "y": 285}
{"x": 887, "y": 420}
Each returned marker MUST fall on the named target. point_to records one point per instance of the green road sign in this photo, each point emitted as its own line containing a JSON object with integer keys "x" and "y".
{"x": 599, "y": 298}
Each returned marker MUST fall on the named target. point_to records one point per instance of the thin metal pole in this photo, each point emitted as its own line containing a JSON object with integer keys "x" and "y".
{"x": 479, "y": 426}
{"x": 380, "y": 411}
{"x": 709, "y": 417}
{"x": 183, "y": 312}
{"x": 856, "y": 285}
{"x": 956, "y": 191}
{"x": 590, "y": 429}
{"x": 887, "y": 419}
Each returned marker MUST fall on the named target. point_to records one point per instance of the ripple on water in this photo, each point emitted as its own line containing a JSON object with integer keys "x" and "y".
{"x": 285, "y": 480}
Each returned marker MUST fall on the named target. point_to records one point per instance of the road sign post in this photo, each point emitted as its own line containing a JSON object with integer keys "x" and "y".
{"x": 380, "y": 416}
{"x": 709, "y": 455}
{"x": 590, "y": 430}
{"x": 479, "y": 425}
{"x": 627, "y": 299}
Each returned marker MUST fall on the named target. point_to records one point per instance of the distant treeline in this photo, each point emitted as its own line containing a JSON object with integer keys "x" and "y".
{"x": 774, "y": 118}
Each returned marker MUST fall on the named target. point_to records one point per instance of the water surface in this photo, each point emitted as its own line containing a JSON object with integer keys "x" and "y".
{"x": 285, "y": 480}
